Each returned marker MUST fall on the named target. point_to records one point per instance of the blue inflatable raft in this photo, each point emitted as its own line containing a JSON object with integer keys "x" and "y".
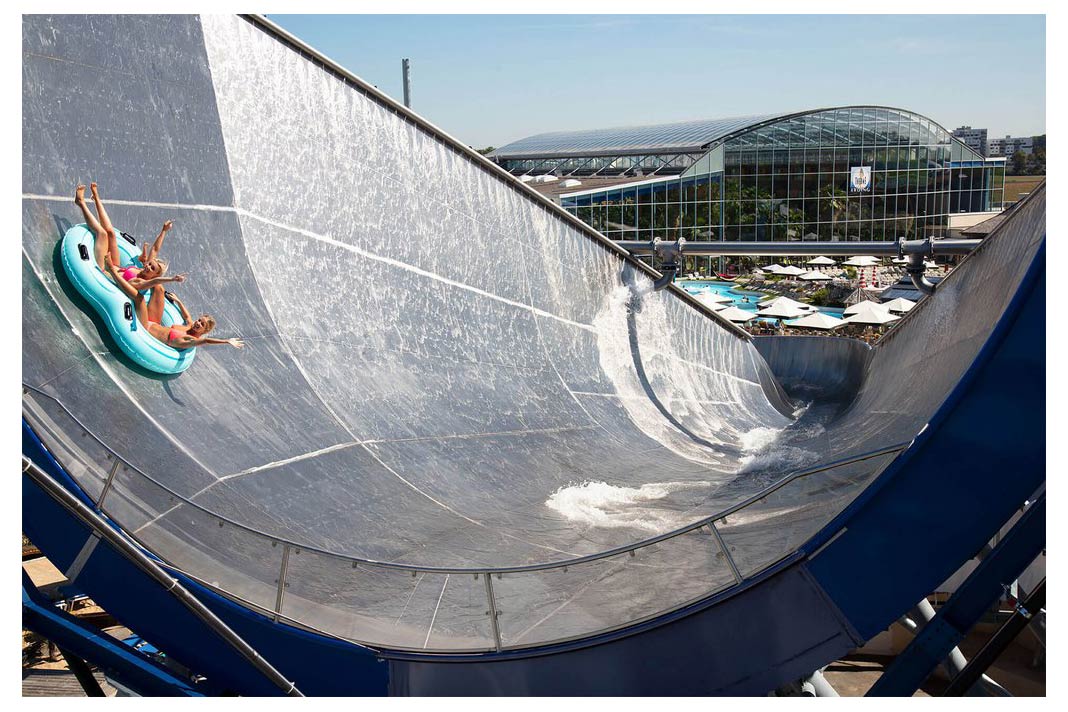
{"x": 116, "y": 309}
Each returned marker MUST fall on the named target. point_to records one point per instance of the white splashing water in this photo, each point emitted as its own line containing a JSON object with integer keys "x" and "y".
{"x": 600, "y": 504}
{"x": 758, "y": 439}
{"x": 765, "y": 452}
{"x": 710, "y": 404}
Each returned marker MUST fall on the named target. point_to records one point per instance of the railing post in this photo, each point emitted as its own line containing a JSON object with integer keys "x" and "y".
{"x": 107, "y": 483}
{"x": 493, "y": 611}
{"x": 727, "y": 554}
{"x": 280, "y": 594}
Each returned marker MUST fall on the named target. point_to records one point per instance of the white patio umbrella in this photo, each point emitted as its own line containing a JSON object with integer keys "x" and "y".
{"x": 783, "y": 311}
{"x": 712, "y": 298}
{"x": 864, "y": 306}
{"x": 814, "y": 276}
{"x": 758, "y": 271}
{"x": 774, "y": 268}
{"x": 861, "y": 261}
{"x": 792, "y": 271}
{"x": 821, "y": 261}
{"x": 871, "y": 314}
{"x": 899, "y": 305}
{"x": 817, "y": 320}
{"x": 736, "y": 315}
{"x": 780, "y": 301}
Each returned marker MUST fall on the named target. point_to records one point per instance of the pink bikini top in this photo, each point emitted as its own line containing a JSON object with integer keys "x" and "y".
{"x": 129, "y": 273}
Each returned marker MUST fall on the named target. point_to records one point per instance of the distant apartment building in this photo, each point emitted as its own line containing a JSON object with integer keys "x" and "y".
{"x": 974, "y": 139}
{"x": 1010, "y": 145}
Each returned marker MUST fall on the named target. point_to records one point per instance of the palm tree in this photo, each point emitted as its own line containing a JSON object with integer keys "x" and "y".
{"x": 837, "y": 202}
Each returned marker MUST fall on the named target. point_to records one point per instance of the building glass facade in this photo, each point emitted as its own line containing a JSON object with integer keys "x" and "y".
{"x": 853, "y": 173}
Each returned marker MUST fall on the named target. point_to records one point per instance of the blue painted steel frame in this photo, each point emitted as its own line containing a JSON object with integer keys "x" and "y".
{"x": 972, "y": 598}
{"x": 964, "y": 476}
{"x": 116, "y": 660}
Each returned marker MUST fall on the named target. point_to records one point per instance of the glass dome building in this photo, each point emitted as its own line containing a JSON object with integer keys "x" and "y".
{"x": 856, "y": 173}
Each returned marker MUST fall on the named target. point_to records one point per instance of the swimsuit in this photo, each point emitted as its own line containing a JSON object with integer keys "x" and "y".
{"x": 172, "y": 335}
{"x": 130, "y": 273}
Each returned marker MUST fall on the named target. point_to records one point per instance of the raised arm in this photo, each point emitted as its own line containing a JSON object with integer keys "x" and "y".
{"x": 186, "y": 342}
{"x": 153, "y": 253}
{"x": 150, "y": 283}
{"x": 173, "y": 298}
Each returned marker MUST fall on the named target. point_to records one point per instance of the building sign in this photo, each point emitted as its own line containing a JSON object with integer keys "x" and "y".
{"x": 860, "y": 179}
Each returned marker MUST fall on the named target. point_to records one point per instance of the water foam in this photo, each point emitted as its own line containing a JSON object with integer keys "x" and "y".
{"x": 600, "y": 504}
{"x": 758, "y": 439}
{"x": 765, "y": 450}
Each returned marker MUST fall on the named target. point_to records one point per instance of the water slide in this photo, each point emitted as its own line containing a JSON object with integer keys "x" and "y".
{"x": 468, "y": 448}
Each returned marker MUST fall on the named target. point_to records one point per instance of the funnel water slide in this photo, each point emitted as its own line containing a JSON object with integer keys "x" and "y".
{"x": 464, "y": 422}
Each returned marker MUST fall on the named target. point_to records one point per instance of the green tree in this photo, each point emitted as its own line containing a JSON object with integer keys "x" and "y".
{"x": 1019, "y": 163}
{"x": 487, "y": 150}
{"x": 837, "y": 202}
{"x": 819, "y": 297}
{"x": 1038, "y": 160}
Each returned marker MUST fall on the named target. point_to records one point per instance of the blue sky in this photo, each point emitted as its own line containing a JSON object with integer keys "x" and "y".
{"x": 491, "y": 79}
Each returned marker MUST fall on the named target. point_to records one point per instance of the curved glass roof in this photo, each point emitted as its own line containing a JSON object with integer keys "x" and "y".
{"x": 680, "y": 137}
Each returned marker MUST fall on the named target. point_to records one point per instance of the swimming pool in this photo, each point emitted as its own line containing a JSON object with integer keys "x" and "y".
{"x": 742, "y": 299}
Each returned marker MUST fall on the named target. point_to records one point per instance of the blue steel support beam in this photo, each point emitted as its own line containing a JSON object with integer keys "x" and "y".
{"x": 935, "y": 640}
{"x": 87, "y": 643}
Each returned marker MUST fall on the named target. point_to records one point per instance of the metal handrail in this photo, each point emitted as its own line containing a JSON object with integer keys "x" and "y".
{"x": 276, "y": 613}
{"x": 626, "y": 548}
{"x": 737, "y": 248}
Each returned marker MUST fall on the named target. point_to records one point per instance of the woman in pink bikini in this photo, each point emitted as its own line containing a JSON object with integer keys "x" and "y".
{"x": 106, "y": 243}
{"x": 178, "y": 336}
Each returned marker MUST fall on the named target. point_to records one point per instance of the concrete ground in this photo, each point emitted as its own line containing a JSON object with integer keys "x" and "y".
{"x": 854, "y": 675}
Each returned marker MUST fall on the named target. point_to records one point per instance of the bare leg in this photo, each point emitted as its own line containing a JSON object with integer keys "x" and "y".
{"x": 100, "y": 241}
{"x": 113, "y": 236}
{"x": 135, "y": 296}
{"x": 155, "y": 304}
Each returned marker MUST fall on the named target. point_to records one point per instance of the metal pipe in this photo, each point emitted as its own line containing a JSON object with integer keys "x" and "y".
{"x": 786, "y": 249}
{"x": 150, "y": 567}
{"x": 670, "y": 254}
{"x": 916, "y": 270}
{"x": 955, "y": 662}
{"x": 1020, "y": 619}
{"x": 820, "y": 686}
{"x": 406, "y": 78}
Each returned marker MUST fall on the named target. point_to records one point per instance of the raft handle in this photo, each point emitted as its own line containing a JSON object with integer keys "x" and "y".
{"x": 127, "y": 311}
{"x": 129, "y": 238}
{"x": 83, "y": 251}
